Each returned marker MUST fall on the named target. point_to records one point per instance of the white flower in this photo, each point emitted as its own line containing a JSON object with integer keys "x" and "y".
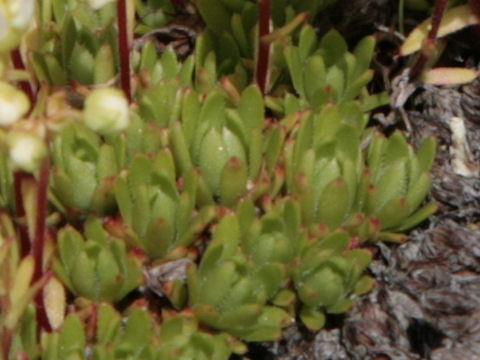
{"x": 21, "y": 12}
{"x": 106, "y": 111}
{"x": 26, "y": 150}
{"x": 98, "y": 4}
{"x": 13, "y": 104}
{"x": 15, "y": 17}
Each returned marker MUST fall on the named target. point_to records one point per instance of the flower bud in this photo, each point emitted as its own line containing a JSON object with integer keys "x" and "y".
{"x": 26, "y": 150}
{"x": 106, "y": 111}
{"x": 21, "y": 12}
{"x": 13, "y": 102}
{"x": 15, "y": 16}
{"x": 98, "y": 4}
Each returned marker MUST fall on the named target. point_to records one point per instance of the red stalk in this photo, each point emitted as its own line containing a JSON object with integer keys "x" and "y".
{"x": 26, "y": 86}
{"x": 7, "y": 337}
{"x": 263, "y": 56}
{"x": 124, "y": 48}
{"x": 429, "y": 43}
{"x": 39, "y": 241}
{"x": 19, "y": 178}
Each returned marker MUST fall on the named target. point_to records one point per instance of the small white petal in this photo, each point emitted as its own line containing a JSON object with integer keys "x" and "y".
{"x": 3, "y": 23}
{"x": 13, "y": 104}
{"x": 22, "y": 13}
{"x": 26, "y": 150}
{"x": 106, "y": 111}
{"x": 98, "y": 4}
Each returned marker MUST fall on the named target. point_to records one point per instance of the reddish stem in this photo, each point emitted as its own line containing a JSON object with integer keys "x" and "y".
{"x": 26, "y": 86}
{"x": 42, "y": 317}
{"x": 429, "y": 42}
{"x": 438, "y": 11}
{"x": 18, "y": 178}
{"x": 124, "y": 48}
{"x": 39, "y": 241}
{"x": 7, "y": 337}
{"x": 263, "y": 58}
{"x": 40, "y": 221}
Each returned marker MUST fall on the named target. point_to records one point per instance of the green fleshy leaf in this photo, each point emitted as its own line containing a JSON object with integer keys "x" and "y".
{"x": 269, "y": 325}
{"x": 169, "y": 63}
{"x": 180, "y": 148}
{"x": 138, "y": 329}
{"x": 392, "y": 184}
{"x": 106, "y": 163}
{"x": 363, "y": 54}
{"x": 418, "y": 191}
{"x": 217, "y": 284}
{"x": 314, "y": 69}
{"x": 363, "y": 285}
{"x": 295, "y": 67}
{"x": 307, "y": 42}
{"x": 122, "y": 196}
{"x": 334, "y": 203}
{"x": 418, "y": 216}
{"x": 212, "y": 158}
{"x": 322, "y": 288}
{"x": 341, "y": 306}
{"x": 233, "y": 182}
{"x": 56, "y": 73}
{"x": 332, "y": 47}
{"x": 312, "y": 318}
{"x": 108, "y": 323}
{"x": 239, "y": 34}
{"x": 227, "y": 233}
{"x": 251, "y": 107}
{"x": 81, "y": 64}
{"x": 213, "y": 110}
{"x": 104, "y": 68}
{"x": 70, "y": 244}
{"x": 393, "y": 213}
{"x": 274, "y": 146}
{"x": 148, "y": 57}
{"x": 158, "y": 238}
{"x": 84, "y": 277}
{"x": 336, "y": 80}
{"x": 190, "y": 112}
{"x": 240, "y": 316}
{"x": 216, "y": 16}
{"x": 426, "y": 154}
{"x": 72, "y": 337}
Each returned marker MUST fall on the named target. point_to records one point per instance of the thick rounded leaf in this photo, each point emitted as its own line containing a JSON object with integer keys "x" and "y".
{"x": 72, "y": 337}
{"x": 323, "y": 288}
{"x": 212, "y": 158}
{"x": 334, "y": 203}
{"x": 313, "y": 319}
{"x": 218, "y": 282}
{"x": 233, "y": 182}
{"x": 239, "y": 316}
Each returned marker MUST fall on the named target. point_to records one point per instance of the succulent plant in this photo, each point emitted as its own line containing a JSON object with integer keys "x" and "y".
{"x": 328, "y": 276}
{"x": 135, "y": 336}
{"x": 79, "y": 44}
{"x": 399, "y": 181}
{"x": 84, "y": 170}
{"x": 161, "y": 218}
{"x": 230, "y": 288}
{"x": 98, "y": 268}
{"x": 383, "y": 187}
{"x": 221, "y": 182}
